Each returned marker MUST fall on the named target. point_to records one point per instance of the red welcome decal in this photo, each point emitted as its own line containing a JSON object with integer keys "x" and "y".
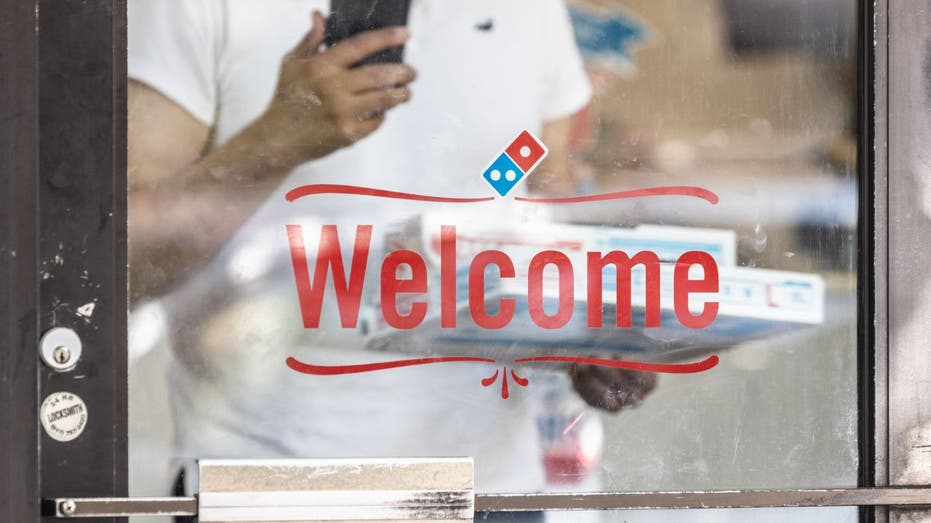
{"x": 513, "y": 165}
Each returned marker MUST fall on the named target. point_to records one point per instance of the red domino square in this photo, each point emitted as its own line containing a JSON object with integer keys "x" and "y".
{"x": 527, "y": 151}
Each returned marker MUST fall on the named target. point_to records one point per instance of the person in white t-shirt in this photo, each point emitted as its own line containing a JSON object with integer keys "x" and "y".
{"x": 227, "y": 114}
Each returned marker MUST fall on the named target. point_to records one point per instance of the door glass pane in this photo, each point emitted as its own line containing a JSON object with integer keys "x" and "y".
{"x": 596, "y": 245}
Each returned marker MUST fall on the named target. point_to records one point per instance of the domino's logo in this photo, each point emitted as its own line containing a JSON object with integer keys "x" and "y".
{"x": 515, "y": 163}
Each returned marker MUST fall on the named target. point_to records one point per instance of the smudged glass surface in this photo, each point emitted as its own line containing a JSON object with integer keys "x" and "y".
{"x": 753, "y": 102}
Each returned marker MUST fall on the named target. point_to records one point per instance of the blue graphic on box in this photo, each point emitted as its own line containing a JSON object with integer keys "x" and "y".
{"x": 608, "y": 36}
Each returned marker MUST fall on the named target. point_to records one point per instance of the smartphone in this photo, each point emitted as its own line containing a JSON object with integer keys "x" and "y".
{"x": 351, "y": 17}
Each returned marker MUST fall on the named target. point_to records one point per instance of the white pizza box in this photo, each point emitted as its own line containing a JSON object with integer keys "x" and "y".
{"x": 753, "y": 303}
{"x": 522, "y": 239}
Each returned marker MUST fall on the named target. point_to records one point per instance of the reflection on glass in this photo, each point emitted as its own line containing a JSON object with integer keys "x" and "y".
{"x": 245, "y": 132}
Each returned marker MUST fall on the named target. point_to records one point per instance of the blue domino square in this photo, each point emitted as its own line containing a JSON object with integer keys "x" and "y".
{"x": 503, "y": 174}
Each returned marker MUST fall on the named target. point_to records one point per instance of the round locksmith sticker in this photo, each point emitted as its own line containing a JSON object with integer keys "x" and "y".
{"x": 64, "y": 416}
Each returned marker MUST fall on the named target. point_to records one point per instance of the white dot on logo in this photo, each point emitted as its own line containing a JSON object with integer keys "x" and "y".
{"x": 525, "y": 151}
{"x": 510, "y": 175}
{"x": 495, "y": 175}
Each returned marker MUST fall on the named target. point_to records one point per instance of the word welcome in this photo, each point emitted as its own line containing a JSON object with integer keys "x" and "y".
{"x": 348, "y": 291}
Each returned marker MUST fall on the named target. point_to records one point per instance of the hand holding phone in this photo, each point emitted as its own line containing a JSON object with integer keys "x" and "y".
{"x": 351, "y": 17}
{"x": 321, "y": 103}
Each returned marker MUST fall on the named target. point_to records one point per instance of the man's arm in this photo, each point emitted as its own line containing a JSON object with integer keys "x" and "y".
{"x": 163, "y": 141}
{"x": 186, "y": 203}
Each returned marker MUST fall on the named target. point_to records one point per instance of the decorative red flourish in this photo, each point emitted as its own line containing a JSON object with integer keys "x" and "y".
{"x": 695, "y": 192}
{"x": 666, "y": 368}
{"x": 488, "y": 382}
{"x": 523, "y": 382}
{"x": 311, "y": 190}
{"x": 505, "y": 393}
{"x": 317, "y": 189}
{"x": 321, "y": 370}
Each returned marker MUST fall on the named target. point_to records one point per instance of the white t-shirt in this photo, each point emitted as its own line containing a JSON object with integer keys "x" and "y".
{"x": 487, "y": 69}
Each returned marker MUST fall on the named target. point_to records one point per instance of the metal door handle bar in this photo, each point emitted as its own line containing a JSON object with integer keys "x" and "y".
{"x": 123, "y": 507}
{"x": 895, "y": 497}
{"x": 904, "y": 496}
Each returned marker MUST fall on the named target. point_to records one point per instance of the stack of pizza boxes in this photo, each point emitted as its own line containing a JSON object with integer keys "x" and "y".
{"x": 753, "y": 303}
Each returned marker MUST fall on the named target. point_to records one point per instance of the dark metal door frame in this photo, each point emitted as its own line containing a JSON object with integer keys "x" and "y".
{"x": 19, "y": 485}
{"x": 905, "y": 74}
{"x": 63, "y": 220}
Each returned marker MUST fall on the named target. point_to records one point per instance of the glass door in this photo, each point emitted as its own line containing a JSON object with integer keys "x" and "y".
{"x": 396, "y": 259}
{"x": 609, "y": 251}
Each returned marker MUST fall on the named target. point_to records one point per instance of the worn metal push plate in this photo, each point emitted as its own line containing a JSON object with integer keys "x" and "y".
{"x": 336, "y": 490}
{"x": 382, "y": 490}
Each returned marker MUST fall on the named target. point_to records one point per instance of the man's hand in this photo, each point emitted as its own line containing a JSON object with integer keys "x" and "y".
{"x": 197, "y": 198}
{"x": 322, "y": 104}
{"x": 611, "y": 389}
